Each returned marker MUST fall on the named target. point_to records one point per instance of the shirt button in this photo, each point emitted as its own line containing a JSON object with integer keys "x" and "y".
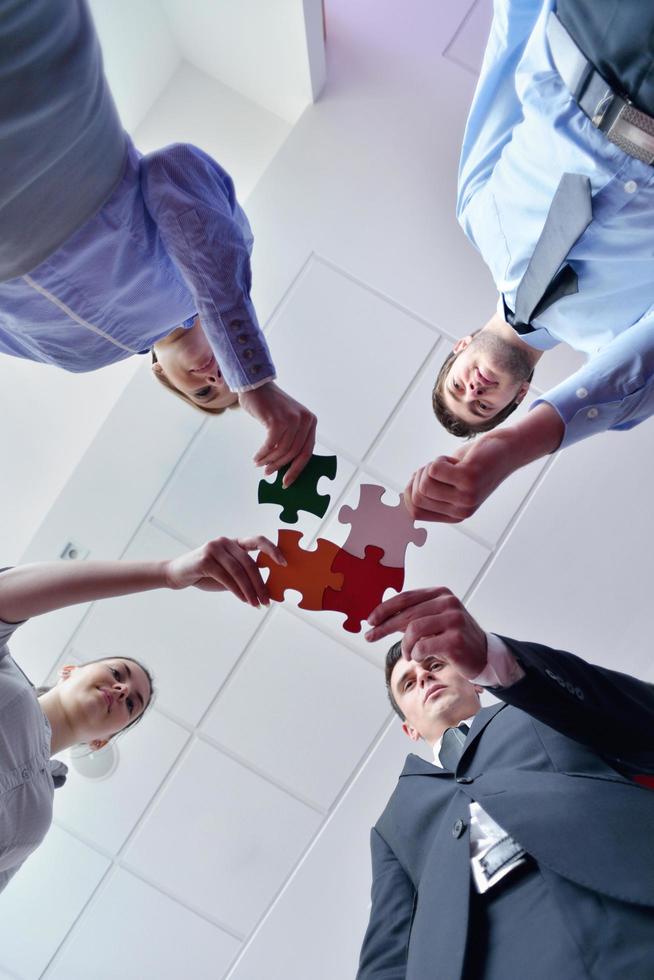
{"x": 236, "y": 324}
{"x": 631, "y": 187}
{"x": 457, "y": 828}
{"x": 242, "y": 338}
{"x": 255, "y": 369}
{"x": 465, "y": 780}
{"x": 25, "y": 773}
{"x": 582, "y": 392}
{"x": 592, "y": 413}
{"x": 248, "y": 353}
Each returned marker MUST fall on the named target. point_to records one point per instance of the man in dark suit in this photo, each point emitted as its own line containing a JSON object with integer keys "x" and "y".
{"x": 527, "y": 850}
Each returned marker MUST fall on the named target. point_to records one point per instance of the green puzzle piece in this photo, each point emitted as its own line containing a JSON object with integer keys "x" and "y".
{"x": 303, "y": 494}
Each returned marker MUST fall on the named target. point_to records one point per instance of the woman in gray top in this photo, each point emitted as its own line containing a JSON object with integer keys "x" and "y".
{"x": 93, "y": 702}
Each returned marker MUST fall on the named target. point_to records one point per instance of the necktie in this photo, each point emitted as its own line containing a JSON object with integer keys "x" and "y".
{"x": 452, "y": 746}
{"x": 544, "y": 282}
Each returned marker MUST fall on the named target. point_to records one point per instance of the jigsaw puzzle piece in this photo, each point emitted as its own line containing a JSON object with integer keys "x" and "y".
{"x": 308, "y": 572}
{"x": 390, "y": 528}
{"x": 303, "y": 494}
{"x": 365, "y": 581}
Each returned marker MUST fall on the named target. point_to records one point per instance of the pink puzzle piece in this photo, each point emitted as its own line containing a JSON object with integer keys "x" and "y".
{"x": 373, "y": 522}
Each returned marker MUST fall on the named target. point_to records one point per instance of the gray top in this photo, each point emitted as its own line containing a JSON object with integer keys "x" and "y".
{"x": 62, "y": 145}
{"x": 27, "y": 775}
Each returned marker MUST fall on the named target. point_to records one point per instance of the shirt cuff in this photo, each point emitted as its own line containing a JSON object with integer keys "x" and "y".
{"x": 502, "y": 669}
{"x": 257, "y": 384}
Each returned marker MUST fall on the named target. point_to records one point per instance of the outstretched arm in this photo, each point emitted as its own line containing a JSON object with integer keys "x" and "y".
{"x": 613, "y": 390}
{"x": 220, "y": 565}
{"x": 384, "y": 950}
{"x": 611, "y": 712}
{"x": 452, "y": 488}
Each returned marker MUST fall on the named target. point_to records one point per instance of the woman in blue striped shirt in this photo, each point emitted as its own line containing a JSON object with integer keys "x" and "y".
{"x": 105, "y": 253}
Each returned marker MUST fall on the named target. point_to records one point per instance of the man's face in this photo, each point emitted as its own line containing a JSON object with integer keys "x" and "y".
{"x": 187, "y": 360}
{"x": 487, "y": 375}
{"x": 432, "y": 696}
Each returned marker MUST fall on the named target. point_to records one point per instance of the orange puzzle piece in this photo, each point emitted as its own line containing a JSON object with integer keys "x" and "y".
{"x": 308, "y": 572}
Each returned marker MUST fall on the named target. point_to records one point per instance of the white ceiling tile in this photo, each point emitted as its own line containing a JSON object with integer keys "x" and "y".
{"x": 221, "y": 838}
{"x": 556, "y": 365}
{"x": 132, "y": 931}
{"x": 146, "y": 753}
{"x": 43, "y": 900}
{"x": 414, "y": 437}
{"x": 333, "y": 882}
{"x": 572, "y": 572}
{"x": 215, "y": 490}
{"x": 367, "y": 344}
{"x": 112, "y": 488}
{"x": 468, "y": 44}
{"x": 189, "y": 639}
{"x": 300, "y": 707}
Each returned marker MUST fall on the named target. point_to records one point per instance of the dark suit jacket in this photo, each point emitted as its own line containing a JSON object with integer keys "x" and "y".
{"x": 553, "y": 765}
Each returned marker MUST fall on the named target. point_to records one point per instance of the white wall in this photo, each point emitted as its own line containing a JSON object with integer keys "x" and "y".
{"x": 195, "y": 108}
{"x": 258, "y": 47}
{"x": 140, "y": 53}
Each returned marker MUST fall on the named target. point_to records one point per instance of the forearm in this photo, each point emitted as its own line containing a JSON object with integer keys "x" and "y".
{"x": 537, "y": 435}
{"x": 207, "y": 235}
{"x": 30, "y": 590}
{"x": 611, "y": 712}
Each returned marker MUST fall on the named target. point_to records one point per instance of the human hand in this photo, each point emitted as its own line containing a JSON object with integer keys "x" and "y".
{"x": 452, "y": 488}
{"x": 224, "y": 565}
{"x": 291, "y": 429}
{"x": 435, "y": 625}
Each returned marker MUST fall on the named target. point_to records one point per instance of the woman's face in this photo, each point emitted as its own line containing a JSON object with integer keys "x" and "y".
{"x": 100, "y": 699}
{"x": 187, "y": 361}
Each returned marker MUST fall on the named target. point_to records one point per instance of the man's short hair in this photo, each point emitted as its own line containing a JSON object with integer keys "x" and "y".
{"x": 394, "y": 654}
{"x": 453, "y": 424}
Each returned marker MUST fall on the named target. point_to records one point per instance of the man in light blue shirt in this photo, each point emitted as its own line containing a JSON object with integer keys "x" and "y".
{"x": 105, "y": 253}
{"x": 524, "y": 132}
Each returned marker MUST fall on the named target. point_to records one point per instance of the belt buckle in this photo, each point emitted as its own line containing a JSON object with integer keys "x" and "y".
{"x": 633, "y": 131}
{"x": 602, "y": 107}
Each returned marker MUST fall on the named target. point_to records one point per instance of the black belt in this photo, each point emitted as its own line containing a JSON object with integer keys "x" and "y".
{"x": 613, "y": 114}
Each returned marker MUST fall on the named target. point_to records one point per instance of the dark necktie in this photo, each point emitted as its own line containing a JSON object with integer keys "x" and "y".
{"x": 452, "y": 746}
{"x": 544, "y": 281}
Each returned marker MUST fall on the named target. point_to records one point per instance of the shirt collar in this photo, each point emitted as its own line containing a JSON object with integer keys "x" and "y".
{"x": 437, "y": 745}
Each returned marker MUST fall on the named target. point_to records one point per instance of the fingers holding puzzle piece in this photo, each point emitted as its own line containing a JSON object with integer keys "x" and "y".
{"x": 303, "y": 492}
{"x": 351, "y": 579}
{"x": 308, "y": 572}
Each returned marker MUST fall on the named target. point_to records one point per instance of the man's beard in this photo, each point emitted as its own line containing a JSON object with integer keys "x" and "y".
{"x": 505, "y": 357}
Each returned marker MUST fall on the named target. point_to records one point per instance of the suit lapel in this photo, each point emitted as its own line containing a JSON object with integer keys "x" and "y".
{"x": 481, "y": 720}
{"x": 417, "y": 766}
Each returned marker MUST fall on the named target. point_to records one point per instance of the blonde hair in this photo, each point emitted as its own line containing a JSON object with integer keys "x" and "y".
{"x": 207, "y": 409}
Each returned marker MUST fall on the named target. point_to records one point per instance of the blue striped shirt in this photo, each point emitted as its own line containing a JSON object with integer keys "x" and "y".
{"x": 171, "y": 241}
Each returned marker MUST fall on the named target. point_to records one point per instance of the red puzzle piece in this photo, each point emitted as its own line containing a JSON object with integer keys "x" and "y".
{"x": 308, "y": 572}
{"x": 365, "y": 582}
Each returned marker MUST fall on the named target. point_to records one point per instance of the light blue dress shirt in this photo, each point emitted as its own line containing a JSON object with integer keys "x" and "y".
{"x": 170, "y": 241}
{"x": 523, "y": 132}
